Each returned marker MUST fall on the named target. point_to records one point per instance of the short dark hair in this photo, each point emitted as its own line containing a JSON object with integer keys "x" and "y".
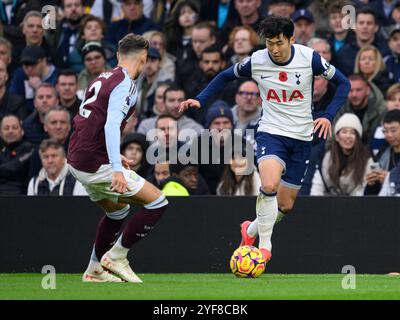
{"x": 358, "y": 76}
{"x": 179, "y": 167}
{"x": 367, "y": 10}
{"x": 132, "y": 43}
{"x": 392, "y": 116}
{"x": 90, "y": 18}
{"x": 210, "y": 25}
{"x": 272, "y": 26}
{"x": 173, "y": 87}
{"x": 212, "y": 49}
{"x": 10, "y": 115}
{"x": 67, "y": 73}
{"x": 164, "y": 116}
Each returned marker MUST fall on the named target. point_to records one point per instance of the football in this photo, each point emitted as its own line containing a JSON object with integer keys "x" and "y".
{"x": 247, "y": 262}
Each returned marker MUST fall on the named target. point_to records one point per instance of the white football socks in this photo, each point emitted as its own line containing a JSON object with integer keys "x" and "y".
{"x": 252, "y": 230}
{"x": 118, "y": 251}
{"x": 267, "y": 212}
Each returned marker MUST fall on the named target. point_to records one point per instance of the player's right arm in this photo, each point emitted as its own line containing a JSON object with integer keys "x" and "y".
{"x": 116, "y": 112}
{"x": 239, "y": 70}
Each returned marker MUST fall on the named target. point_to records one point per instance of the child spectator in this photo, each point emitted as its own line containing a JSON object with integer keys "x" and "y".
{"x": 134, "y": 147}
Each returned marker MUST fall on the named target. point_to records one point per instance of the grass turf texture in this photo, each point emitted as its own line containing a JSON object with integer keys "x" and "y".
{"x": 202, "y": 287}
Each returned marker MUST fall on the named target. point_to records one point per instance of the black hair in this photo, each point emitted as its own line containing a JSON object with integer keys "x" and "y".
{"x": 179, "y": 167}
{"x": 212, "y": 49}
{"x": 272, "y": 26}
{"x": 367, "y": 10}
{"x": 67, "y": 73}
{"x": 173, "y": 87}
{"x": 392, "y": 116}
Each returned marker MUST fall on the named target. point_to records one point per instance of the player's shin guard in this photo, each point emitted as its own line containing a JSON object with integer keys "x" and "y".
{"x": 267, "y": 212}
{"x": 108, "y": 230}
{"x": 143, "y": 222}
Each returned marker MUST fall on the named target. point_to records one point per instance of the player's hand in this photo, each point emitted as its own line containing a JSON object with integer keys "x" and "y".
{"x": 126, "y": 163}
{"x": 189, "y": 103}
{"x": 324, "y": 126}
{"x": 118, "y": 183}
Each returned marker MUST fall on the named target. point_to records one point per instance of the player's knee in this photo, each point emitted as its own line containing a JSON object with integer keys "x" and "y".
{"x": 160, "y": 203}
{"x": 119, "y": 214}
{"x": 269, "y": 188}
{"x": 285, "y": 207}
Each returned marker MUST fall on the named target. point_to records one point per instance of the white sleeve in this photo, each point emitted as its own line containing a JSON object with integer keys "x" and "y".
{"x": 385, "y": 189}
{"x": 317, "y": 185}
{"x": 30, "y": 188}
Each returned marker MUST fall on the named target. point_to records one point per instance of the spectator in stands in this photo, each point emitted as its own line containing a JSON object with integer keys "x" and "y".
{"x": 167, "y": 146}
{"x": 370, "y": 64}
{"x": 57, "y": 124}
{"x": 392, "y": 102}
{"x": 366, "y": 33}
{"x": 179, "y": 28}
{"x": 147, "y": 83}
{"x": 203, "y": 36}
{"x": 33, "y": 32}
{"x": 242, "y": 40}
{"x": 6, "y": 55}
{"x": 383, "y": 10}
{"x": 134, "y": 147}
{"x": 158, "y": 40}
{"x": 34, "y": 71}
{"x": 92, "y": 29}
{"x": 134, "y": 21}
{"x": 163, "y": 11}
{"x": 63, "y": 38}
{"x": 391, "y": 184}
{"x": 240, "y": 177}
{"x": 389, "y": 157}
{"x": 14, "y": 157}
{"x": 94, "y": 58}
{"x": 283, "y": 8}
{"x": 67, "y": 88}
{"x": 392, "y": 60}
{"x": 218, "y": 10}
{"x": 158, "y": 109}
{"x": 160, "y": 172}
{"x": 173, "y": 98}
{"x": 54, "y": 179}
{"x": 219, "y": 117}
{"x": 367, "y": 102}
{"x": 340, "y": 35}
{"x": 346, "y": 164}
{"x": 108, "y": 10}
{"x": 10, "y": 103}
{"x": 45, "y": 99}
{"x": 15, "y": 11}
{"x": 184, "y": 180}
{"x": 247, "y": 110}
{"x": 210, "y": 64}
{"x": 322, "y": 47}
{"x": 248, "y": 15}
{"x": 323, "y": 92}
{"x": 304, "y": 26}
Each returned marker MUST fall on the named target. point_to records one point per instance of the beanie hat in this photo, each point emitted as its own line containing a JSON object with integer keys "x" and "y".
{"x": 349, "y": 120}
{"x": 218, "y": 109}
{"x": 93, "y": 46}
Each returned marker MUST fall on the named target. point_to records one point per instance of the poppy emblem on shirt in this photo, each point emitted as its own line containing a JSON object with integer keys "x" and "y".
{"x": 13, "y": 153}
{"x": 283, "y": 76}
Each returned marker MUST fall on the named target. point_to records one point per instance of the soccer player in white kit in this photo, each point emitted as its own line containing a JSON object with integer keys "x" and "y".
{"x": 284, "y": 72}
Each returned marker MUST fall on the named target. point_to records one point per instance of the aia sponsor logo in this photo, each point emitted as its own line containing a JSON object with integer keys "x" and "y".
{"x": 284, "y": 96}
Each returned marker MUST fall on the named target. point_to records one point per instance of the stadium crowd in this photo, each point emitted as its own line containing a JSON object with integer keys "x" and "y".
{"x": 45, "y": 69}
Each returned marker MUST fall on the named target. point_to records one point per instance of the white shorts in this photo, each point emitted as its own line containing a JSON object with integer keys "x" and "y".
{"x": 98, "y": 184}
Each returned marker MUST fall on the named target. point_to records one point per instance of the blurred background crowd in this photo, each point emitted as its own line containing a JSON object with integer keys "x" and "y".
{"x": 49, "y": 55}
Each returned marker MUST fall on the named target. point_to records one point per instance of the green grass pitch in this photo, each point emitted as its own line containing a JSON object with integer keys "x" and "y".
{"x": 203, "y": 287}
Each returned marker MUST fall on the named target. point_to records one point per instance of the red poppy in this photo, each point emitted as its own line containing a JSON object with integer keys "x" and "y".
{"x": 13, "y": 153}
{"x": 283, "y": 76}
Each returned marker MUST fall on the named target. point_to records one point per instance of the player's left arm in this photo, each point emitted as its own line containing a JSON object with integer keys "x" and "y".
{"x": 324, "y": 69}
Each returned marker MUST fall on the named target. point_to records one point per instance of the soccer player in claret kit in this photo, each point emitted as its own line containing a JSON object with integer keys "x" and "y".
{"x": 94, "y": 159}
{"x": 284, "y": 72}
